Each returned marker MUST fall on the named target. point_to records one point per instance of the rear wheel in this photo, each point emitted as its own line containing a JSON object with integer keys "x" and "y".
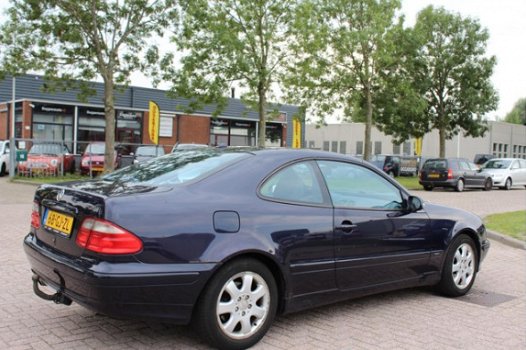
{"x": 460, "y": 267}
{"x": 488, "y": 185}
{"x": 2, "y": 170}
{"x": 428, "y": 188}
{"x": 460, "y": 185}
{"x": 238, "y": 306}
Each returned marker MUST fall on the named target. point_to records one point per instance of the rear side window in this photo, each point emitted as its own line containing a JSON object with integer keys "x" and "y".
{"x": 295, "y": 183}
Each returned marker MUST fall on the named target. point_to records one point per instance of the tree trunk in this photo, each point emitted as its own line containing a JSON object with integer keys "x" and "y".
{"x": 442, "y": 138}
{"x": 109, "y": 112}
{"x": 262, "y": 109}
{"x": 368, "y": 125}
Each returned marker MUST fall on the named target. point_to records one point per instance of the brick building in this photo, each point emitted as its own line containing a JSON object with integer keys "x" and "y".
{"x": 60, "y": 116}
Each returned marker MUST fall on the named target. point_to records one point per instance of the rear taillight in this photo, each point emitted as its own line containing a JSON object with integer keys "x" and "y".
{"x": 35, "y": 216}
{"x": 449, "y": 174}
{"x": 103, "y": 237}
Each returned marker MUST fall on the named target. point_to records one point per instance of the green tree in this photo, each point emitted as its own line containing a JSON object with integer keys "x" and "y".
{"x": 72, "y": 40}
{"x": 455, "y": 73}
{"x": 341, "y": 48}
{"x": 518, "y": 114}
{"x": 229, "y": 43}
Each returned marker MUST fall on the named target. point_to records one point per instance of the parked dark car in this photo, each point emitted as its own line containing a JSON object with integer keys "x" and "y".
{"x": 229, "y": 238}
{"x": 388, "y": 163}
{"x": 458, "y": 173}
{"x": 480, "y": 159}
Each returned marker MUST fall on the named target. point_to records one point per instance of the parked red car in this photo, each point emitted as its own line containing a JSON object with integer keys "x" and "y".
{"x": 47, "y": 159}
{"x": 93, "y": 158}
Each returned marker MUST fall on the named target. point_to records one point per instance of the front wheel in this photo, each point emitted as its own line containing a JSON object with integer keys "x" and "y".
{"x": 488, "y": 185}
{"x": 238, "y": 306}
{"x": 3, "y": 170}
{"x": 460, "y": 267}
{"x": 507, "y": 184}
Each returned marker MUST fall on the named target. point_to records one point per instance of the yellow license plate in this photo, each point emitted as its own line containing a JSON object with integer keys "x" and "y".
{"x": 433, "y": 176}
{"x": 60, "y": 222}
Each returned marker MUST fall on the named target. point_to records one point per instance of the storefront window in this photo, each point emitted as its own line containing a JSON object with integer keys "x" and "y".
{"x": 53, "y": 123}
{"x": 242, "y": 133}
{"x": 219, "y": 131}
{"x": 91, "y": 126}
{"x": 274, "y": 135}
{"x": 129, "y": 130}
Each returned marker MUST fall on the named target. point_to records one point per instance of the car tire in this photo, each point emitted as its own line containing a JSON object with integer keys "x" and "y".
{"x": 428, "y": 188}
{"x": 507, "y": 184}
{"x": 2, "y": 170}
{"x": 488, "y": 185}
{"x": 238, "y": 305}
{"x": 460, "y": 185}
{"x": 460, "y": 267}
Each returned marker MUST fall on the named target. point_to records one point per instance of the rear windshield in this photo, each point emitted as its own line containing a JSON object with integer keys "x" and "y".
{"x": 176, "y": 168}
{"x": 378, "y": 158}
{"x": 497, "y": 164}
{"x": 435, "y": 164}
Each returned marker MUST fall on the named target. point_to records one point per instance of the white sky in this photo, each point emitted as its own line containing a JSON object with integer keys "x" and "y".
{"x": 506, "y": 23}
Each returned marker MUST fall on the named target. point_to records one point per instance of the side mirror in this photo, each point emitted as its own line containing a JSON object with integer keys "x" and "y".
{"x": 414, "y": 204}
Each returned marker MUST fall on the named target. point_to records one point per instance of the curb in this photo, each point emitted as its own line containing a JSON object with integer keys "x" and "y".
{"x": 509, "y": 241}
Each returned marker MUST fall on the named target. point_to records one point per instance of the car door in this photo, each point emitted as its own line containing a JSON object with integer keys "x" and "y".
{"x": 467, "y": 173}
{"x": 376, "y": 242}
{"x": 300, "y": 218}
{"x": 478, "y": 177}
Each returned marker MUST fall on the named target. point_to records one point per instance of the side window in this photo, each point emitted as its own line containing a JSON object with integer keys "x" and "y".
{"x": 295, "y": 183}
{"x": 355, "y": 186}
{"x": 464, "y": 165}
{"x": 515, "y": 165}
{"x": 522, "y": 163}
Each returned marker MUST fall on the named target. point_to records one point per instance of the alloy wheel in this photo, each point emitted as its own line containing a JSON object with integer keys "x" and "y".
{"x": 243, "y": 305}
{"x": 463, "y": 267}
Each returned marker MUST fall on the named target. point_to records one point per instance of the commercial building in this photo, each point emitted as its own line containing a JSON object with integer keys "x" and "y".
{"x": 501, "y": 140}
{"x": 60, "y": 116}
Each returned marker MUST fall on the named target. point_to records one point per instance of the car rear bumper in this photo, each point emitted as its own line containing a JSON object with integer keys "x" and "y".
{"x": 443, "y": 183}
{"x": 164, "y": 292}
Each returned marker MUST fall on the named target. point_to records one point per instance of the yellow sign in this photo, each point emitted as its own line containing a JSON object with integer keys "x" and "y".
{"x": 296, "y": 133}
{"x": 153, "y": 124}
{"x": 418, "y": 146}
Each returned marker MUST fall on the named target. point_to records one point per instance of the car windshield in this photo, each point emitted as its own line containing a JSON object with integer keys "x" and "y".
{"x": 497, "y": 164}
{"x": 149, "y": 151}
{"x": 46, "y": 148}
{"x": 176, "y": 168}
{"x": 96, "y": 148}
{"x": 435, "y": 164}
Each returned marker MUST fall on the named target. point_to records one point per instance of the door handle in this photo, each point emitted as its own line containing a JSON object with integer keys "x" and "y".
{"x": 346, "y": 226}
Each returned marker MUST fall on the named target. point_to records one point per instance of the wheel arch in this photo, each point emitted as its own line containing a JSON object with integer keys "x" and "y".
{"x": 273, "y": 266}
{"x": 474, "y": 236}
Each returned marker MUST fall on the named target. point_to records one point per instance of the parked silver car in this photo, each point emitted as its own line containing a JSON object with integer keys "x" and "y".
{"x": 4, "y": 157}
{"x": 506, "y": 172}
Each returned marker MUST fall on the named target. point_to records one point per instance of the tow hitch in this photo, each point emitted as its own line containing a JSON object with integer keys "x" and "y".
{"x": 57, "y": 298}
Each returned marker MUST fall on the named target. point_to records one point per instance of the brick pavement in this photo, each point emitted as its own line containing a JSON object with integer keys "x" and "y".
{"x": 409, "y": 319}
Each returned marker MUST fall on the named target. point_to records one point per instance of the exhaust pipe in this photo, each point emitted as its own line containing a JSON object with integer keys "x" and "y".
{"x": 58, "y": 298}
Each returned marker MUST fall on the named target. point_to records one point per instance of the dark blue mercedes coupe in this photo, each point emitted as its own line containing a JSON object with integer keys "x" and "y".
{"x": 227, "y": 239}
